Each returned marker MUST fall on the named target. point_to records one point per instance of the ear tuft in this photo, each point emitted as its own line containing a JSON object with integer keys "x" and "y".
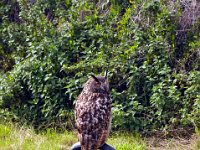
{"x": 106, "y": 74}
{"x": 95, "y": 78}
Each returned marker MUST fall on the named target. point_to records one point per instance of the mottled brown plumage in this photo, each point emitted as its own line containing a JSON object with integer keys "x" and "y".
{"x": 93, "y": 113}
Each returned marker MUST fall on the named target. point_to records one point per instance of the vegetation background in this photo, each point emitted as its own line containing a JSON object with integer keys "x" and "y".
{"x": 151, "y": 49}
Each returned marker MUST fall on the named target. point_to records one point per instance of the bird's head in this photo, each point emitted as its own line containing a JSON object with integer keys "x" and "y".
{"x": 97, "y": 84}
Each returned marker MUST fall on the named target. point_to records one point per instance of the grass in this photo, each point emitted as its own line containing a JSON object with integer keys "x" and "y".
{"x": 125, "y": 141}
{"x": 23, "y": 138}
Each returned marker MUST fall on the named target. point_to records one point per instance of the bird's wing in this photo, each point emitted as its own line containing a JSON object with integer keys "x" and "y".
{"x": 92, "y": 120}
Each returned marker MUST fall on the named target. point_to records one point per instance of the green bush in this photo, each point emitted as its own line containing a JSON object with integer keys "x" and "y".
{"x": 57, "y": 45}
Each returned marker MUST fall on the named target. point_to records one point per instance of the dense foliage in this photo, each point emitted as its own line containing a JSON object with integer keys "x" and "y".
{"x": 150, "y": 48}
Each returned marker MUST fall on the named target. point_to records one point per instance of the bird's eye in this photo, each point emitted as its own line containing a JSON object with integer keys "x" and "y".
{"x": 98, "y": 84}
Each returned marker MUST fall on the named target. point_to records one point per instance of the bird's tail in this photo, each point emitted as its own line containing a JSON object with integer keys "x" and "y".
{"x": 87, "y": 143}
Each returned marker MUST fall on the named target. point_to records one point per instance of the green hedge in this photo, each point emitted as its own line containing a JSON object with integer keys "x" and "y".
{"x": 57, "y": 45}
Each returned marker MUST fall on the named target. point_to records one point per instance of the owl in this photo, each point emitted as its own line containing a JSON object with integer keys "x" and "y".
{"x": 93, "y": 113}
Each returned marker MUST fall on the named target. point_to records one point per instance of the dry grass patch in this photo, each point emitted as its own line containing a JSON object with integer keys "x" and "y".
{"x": 191, "y": 143}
